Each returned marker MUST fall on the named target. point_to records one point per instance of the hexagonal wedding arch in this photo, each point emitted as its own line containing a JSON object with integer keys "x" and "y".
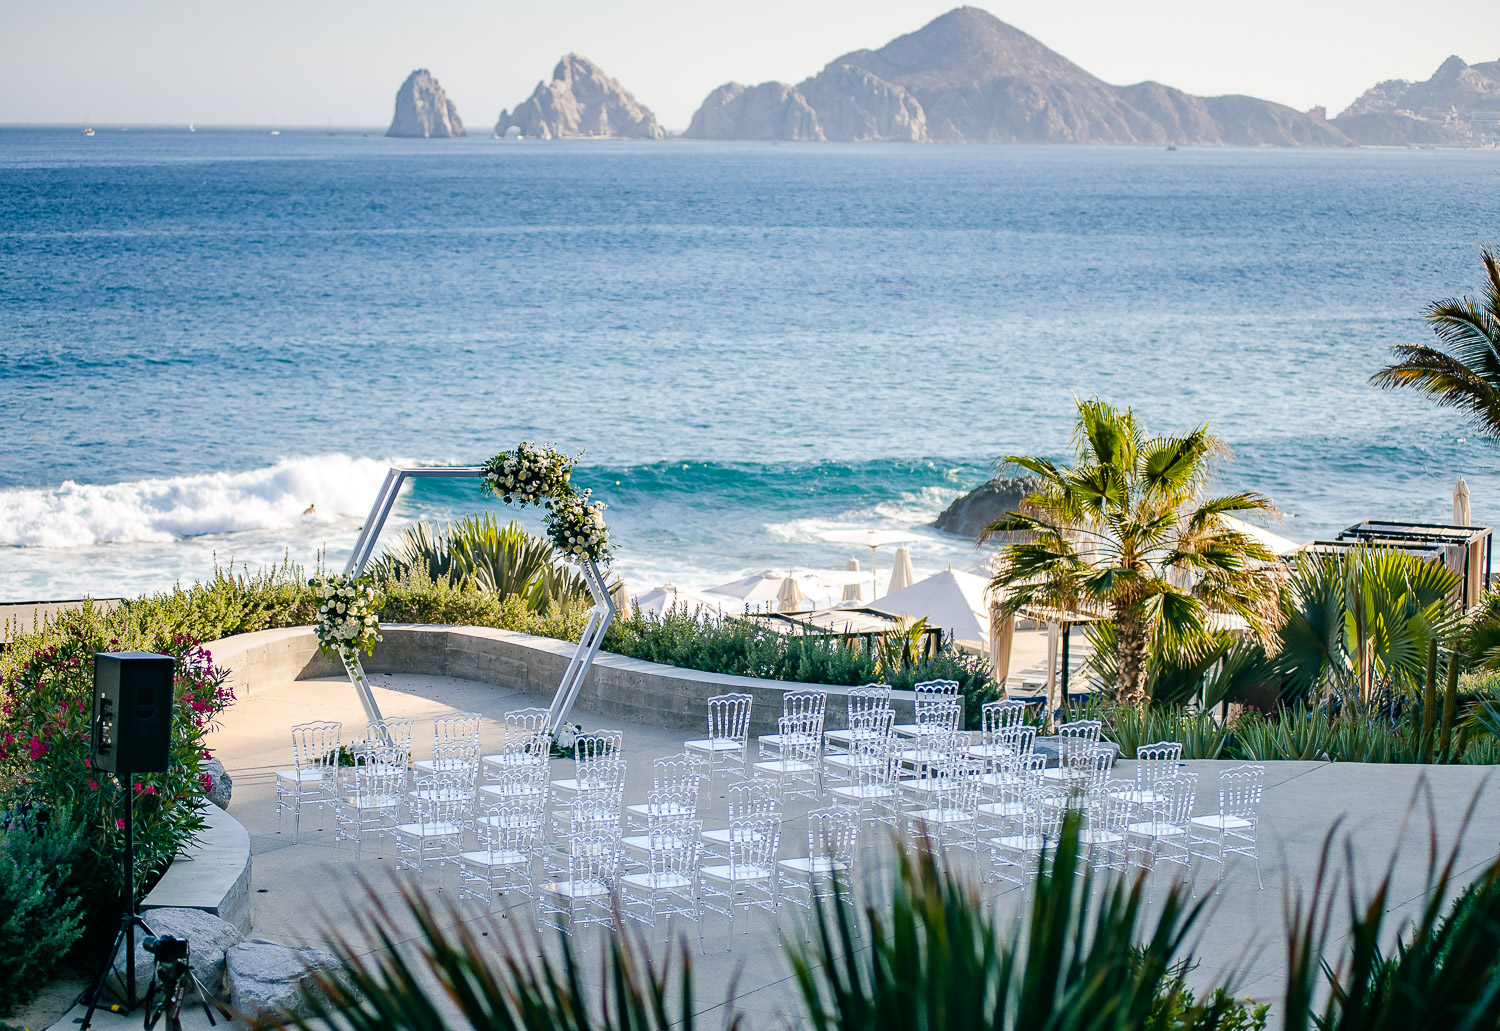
{"x": 528, "y": 475}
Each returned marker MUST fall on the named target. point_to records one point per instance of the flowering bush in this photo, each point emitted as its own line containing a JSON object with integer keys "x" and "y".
{"x": 533, "y": 475}
{"x": 530, "y": 474}
{"x": 347, "y": 623}
{"x": 46, "y": 687}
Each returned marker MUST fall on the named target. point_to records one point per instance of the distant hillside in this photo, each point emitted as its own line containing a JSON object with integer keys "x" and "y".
{"x": 1459, "y": 104}
{"x": 968, "y": 77}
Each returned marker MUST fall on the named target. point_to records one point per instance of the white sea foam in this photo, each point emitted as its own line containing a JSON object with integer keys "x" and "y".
{"x": 157, "y": 510}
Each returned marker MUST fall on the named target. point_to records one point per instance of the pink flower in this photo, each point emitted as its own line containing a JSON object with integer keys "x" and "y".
{"x": 138, "y": 785}
{"x": 150, "y": 789}
{"x": 85, "y": 764}
{"x": 36, "y": 748}
{"x": 119, "y": 824}
{"x": 207, "y": 754}
{"x": 8, "y": 740}
{"x": 93, "y": 785}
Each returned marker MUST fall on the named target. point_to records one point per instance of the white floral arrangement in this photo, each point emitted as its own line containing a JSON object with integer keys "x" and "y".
{"x": 530, "y": 474}
{"x": 347, "y": 624}
{"x": 576, "y": 525}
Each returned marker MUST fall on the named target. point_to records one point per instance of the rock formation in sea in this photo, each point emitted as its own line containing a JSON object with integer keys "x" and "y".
{"x": 968, "y": 77}
{"x": 1460, "y": 103}
{"x": 770, "y": 111}
{"x": 971, "y": 513}
{"x": 580, "y": 101}
{"x": 423, "y": 110}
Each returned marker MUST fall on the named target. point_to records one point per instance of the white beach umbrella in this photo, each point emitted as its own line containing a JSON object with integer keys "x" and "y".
{"x": 902, "y": 575}
{"x": 1054, "y": 653}
{"x": 789, "y": 598}
{"x": 670, "y": 598}
{"x": 755, "y": 590}
{"x": 1002, "y": 637}
{"x": 871, "y": 539}
{"x": 1274, "y": 543}
{"x": 620, "y": 595}
{"x": 954, "y": 600}
{"x": 853, "y": 592}
{"x": 1461, "y": 514}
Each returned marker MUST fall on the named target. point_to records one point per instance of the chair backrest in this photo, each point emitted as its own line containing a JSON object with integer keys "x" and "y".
{"x": 1176, "y": 795}
{"x": 729, "y": 717}
{"x": 316, "y": 745}
{"x": 1097, "y": 770}
{"x": 602, "y": 776}
{"x": 674, "y": 848}
{"x": 590, "y": 814}
{"x": 527, "y": 785}
{"x": 681, "y": 773}
{"x": 1076, "y": 741}
{"x": 665, "y": 805}
{"x": 602, "y": 744}
{"x": 1023, "y": 775}
{"x": 394, "y": 732}
{"x": 1155, "y": 761}
{"x": 593, "y": 857}
{"x": 514, "y": 825}
{"x": 801, "y": 737}
{"x": 377, "y": 781}
{"x": 1046, "y": 807}
{"x": 960, "y": 786}
{"x": 753, "y": 842}
{"x": 456, "y": 728}
{"x": 525, "y": 730}
{"x": 1018, "y": 740}
{"x": 458, "y": 757}
{"x": 996, "y": 718}
{"x": 870, "y": 728}
{"x": 866, "y": 698}
{"x": 809, "y": 704}
{"x": 756, "y": 797}
{"x": 435, "y": 804}
{"x": 1240, "y": 789}
{"x": 833, "y": 833}
{"x": 947, "y": 712}
{"x": 931, "y": 692}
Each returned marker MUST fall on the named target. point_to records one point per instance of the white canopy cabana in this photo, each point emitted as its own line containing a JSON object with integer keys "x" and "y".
{"x": 1274, "y": 543}
{"x": 669, "y": 597}
{"x": 953, "y": 599}
{"x": 871, "y": 539}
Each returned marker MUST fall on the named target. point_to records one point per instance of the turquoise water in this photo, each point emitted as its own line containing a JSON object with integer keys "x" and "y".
{"x": 201, "y": 335}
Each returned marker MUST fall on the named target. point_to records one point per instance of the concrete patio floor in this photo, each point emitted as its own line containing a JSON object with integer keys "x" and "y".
{"x": 302, "y": 889}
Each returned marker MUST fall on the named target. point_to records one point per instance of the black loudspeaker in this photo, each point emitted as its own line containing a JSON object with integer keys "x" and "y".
{"x": 132, "y": 726}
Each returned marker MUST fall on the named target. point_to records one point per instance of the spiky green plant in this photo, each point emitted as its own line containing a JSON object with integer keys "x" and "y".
{"x": 503, "y": 560}
{"x": 1131, "y": 529}
{"x": 1463, "y": 371}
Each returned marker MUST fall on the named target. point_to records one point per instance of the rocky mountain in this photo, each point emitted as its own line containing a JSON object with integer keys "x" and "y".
{"x": 423, "y": 110}
{"x": 968, "y": 515}
{"x": 968, "y": 77}
{"x": 1460, "y": 103}
{"x": 770, "y": 111}
{"x": 580, "y": 101}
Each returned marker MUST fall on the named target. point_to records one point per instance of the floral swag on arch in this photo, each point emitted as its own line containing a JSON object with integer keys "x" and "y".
{"x": 348, "y": 621}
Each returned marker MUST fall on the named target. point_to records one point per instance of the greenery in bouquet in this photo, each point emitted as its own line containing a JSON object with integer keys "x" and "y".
{"x": 530, "y": 475}
{"x": 576, "y": 525}
{"x": 347, "y": 622}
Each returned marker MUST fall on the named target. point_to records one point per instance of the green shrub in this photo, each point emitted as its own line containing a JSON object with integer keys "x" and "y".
{"x": 38, "y": 922}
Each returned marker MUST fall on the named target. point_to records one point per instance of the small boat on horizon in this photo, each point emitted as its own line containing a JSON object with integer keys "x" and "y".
{"x": 88, "y": 131}
{"x": 191, "y": 127}
{"x": 275, "y": 132}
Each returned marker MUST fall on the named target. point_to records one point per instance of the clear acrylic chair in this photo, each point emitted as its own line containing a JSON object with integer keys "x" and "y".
{"x": 434, "y": 831}
{"x": 747, "y": 879}
{"x": 998, "y": 722}
{"x": 947, "y": 810}
{"x": 1153, "y": 762}
{"x": 860, "y": 701}
{"x": 927, "y": 693}
{"x": 1015, "y": 857}
{"x": 669, "y": 800}
{"x": 728, "y": 743}
{"x": 660, "y": 809}
{"x": 806, "y": 710}
{"x": 1019, "y": 747}
{"x": 507, "y": 835}
{"x": 866, "y": 728}
{"x": 525, "y": 742}
{"x": 529, "y": 785}
{"x": 1234, "y": 829}
{"x": 392, "y": 733}
{"x": 756, "y": 797}
{"x": 667, "y": 885}
{"x": 372, "y": 798}
{"x": 827, "y": 870}
{"x": 1076, "y": 744}
{"x": 796, "y": 769}
{"x": 583, "y": 891}
{"x": 457, "y": 731}
{"x": 601, "y": 744}
{"x": 314, "y": 776}
{"x": 875, "y": 790}
{"x": 1160, "y": 832}
{"x": 1008, "y": 792}
{"x": 937, "y": 738}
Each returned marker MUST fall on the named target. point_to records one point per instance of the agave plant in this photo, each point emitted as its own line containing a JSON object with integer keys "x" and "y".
{"x": 1206, "y": 669}
{"x": 504, "y": 560}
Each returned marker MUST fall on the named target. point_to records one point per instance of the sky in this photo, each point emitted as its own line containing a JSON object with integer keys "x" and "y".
{"x": 306, "y": 62}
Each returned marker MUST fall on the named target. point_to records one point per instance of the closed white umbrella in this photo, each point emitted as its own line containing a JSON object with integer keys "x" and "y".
{"x": 620, "y": 595}
{"x": 1054, "y": 648}
{"x": 871, "y": 539}
{"x": 789, "y": 598}
{"x": 902, "y": 575}
{"x": 755, "y": 590}
{"x": 1461, "y": 514}
{"x": 1002, "y": 637}
{"x": 853, "y": 592}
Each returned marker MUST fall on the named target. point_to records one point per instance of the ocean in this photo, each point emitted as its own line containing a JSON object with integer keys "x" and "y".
{"x": 203, "y": 335}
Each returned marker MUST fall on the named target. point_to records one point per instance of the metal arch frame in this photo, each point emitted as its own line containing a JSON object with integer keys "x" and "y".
{"x": 600, "y": 614}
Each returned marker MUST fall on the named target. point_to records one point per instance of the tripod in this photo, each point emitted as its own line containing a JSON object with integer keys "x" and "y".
{"x": 129, "y": 921}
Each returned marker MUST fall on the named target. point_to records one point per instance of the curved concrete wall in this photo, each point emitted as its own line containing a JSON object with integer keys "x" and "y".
{"x": 646, "y": 692}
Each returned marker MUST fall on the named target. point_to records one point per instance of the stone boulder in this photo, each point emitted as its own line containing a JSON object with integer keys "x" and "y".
{"x": 423, "y": 110}
{"x": 580, "y": 102}
{"x": 770, "y": 111}
{"x": 264, "y": 976}
{"x": 208, "y": 938}
{"x": 970, "y": 514}
{"x": 220, "y": 785}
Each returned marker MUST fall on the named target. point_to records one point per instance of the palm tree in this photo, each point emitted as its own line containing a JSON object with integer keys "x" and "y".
{"x": 1464, "y": 371}
{"x": 1129, "y": 531}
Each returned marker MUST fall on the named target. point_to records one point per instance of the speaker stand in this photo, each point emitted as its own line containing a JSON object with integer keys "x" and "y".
{"x": 128, "y": 922}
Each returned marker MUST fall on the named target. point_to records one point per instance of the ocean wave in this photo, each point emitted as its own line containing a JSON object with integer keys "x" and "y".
{"x": 334, "y": 487}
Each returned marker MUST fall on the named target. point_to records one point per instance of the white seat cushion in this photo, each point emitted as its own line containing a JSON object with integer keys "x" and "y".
{"x": 864, "y": 791}
{"x": 301, "y": 776}
{"x": 576, "y": 889}
{"x": 1003, "y": 810}
{"x": 785, "y": 766}
{"x": 716, "y": 744}
{"x": 811, "y": 865}
{"x": 491, "y": 859}
{"x": 1216, "y": 822}
{"x": 737, "y": 874}
{"x": 1017, "y": 842}
{"x": 944, "y": 816}
{"x": 1149, "y": 829}
{"x": 436, "y": 830}
{"x": 663, "y": 881}
{"x": 667, "y": 811}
